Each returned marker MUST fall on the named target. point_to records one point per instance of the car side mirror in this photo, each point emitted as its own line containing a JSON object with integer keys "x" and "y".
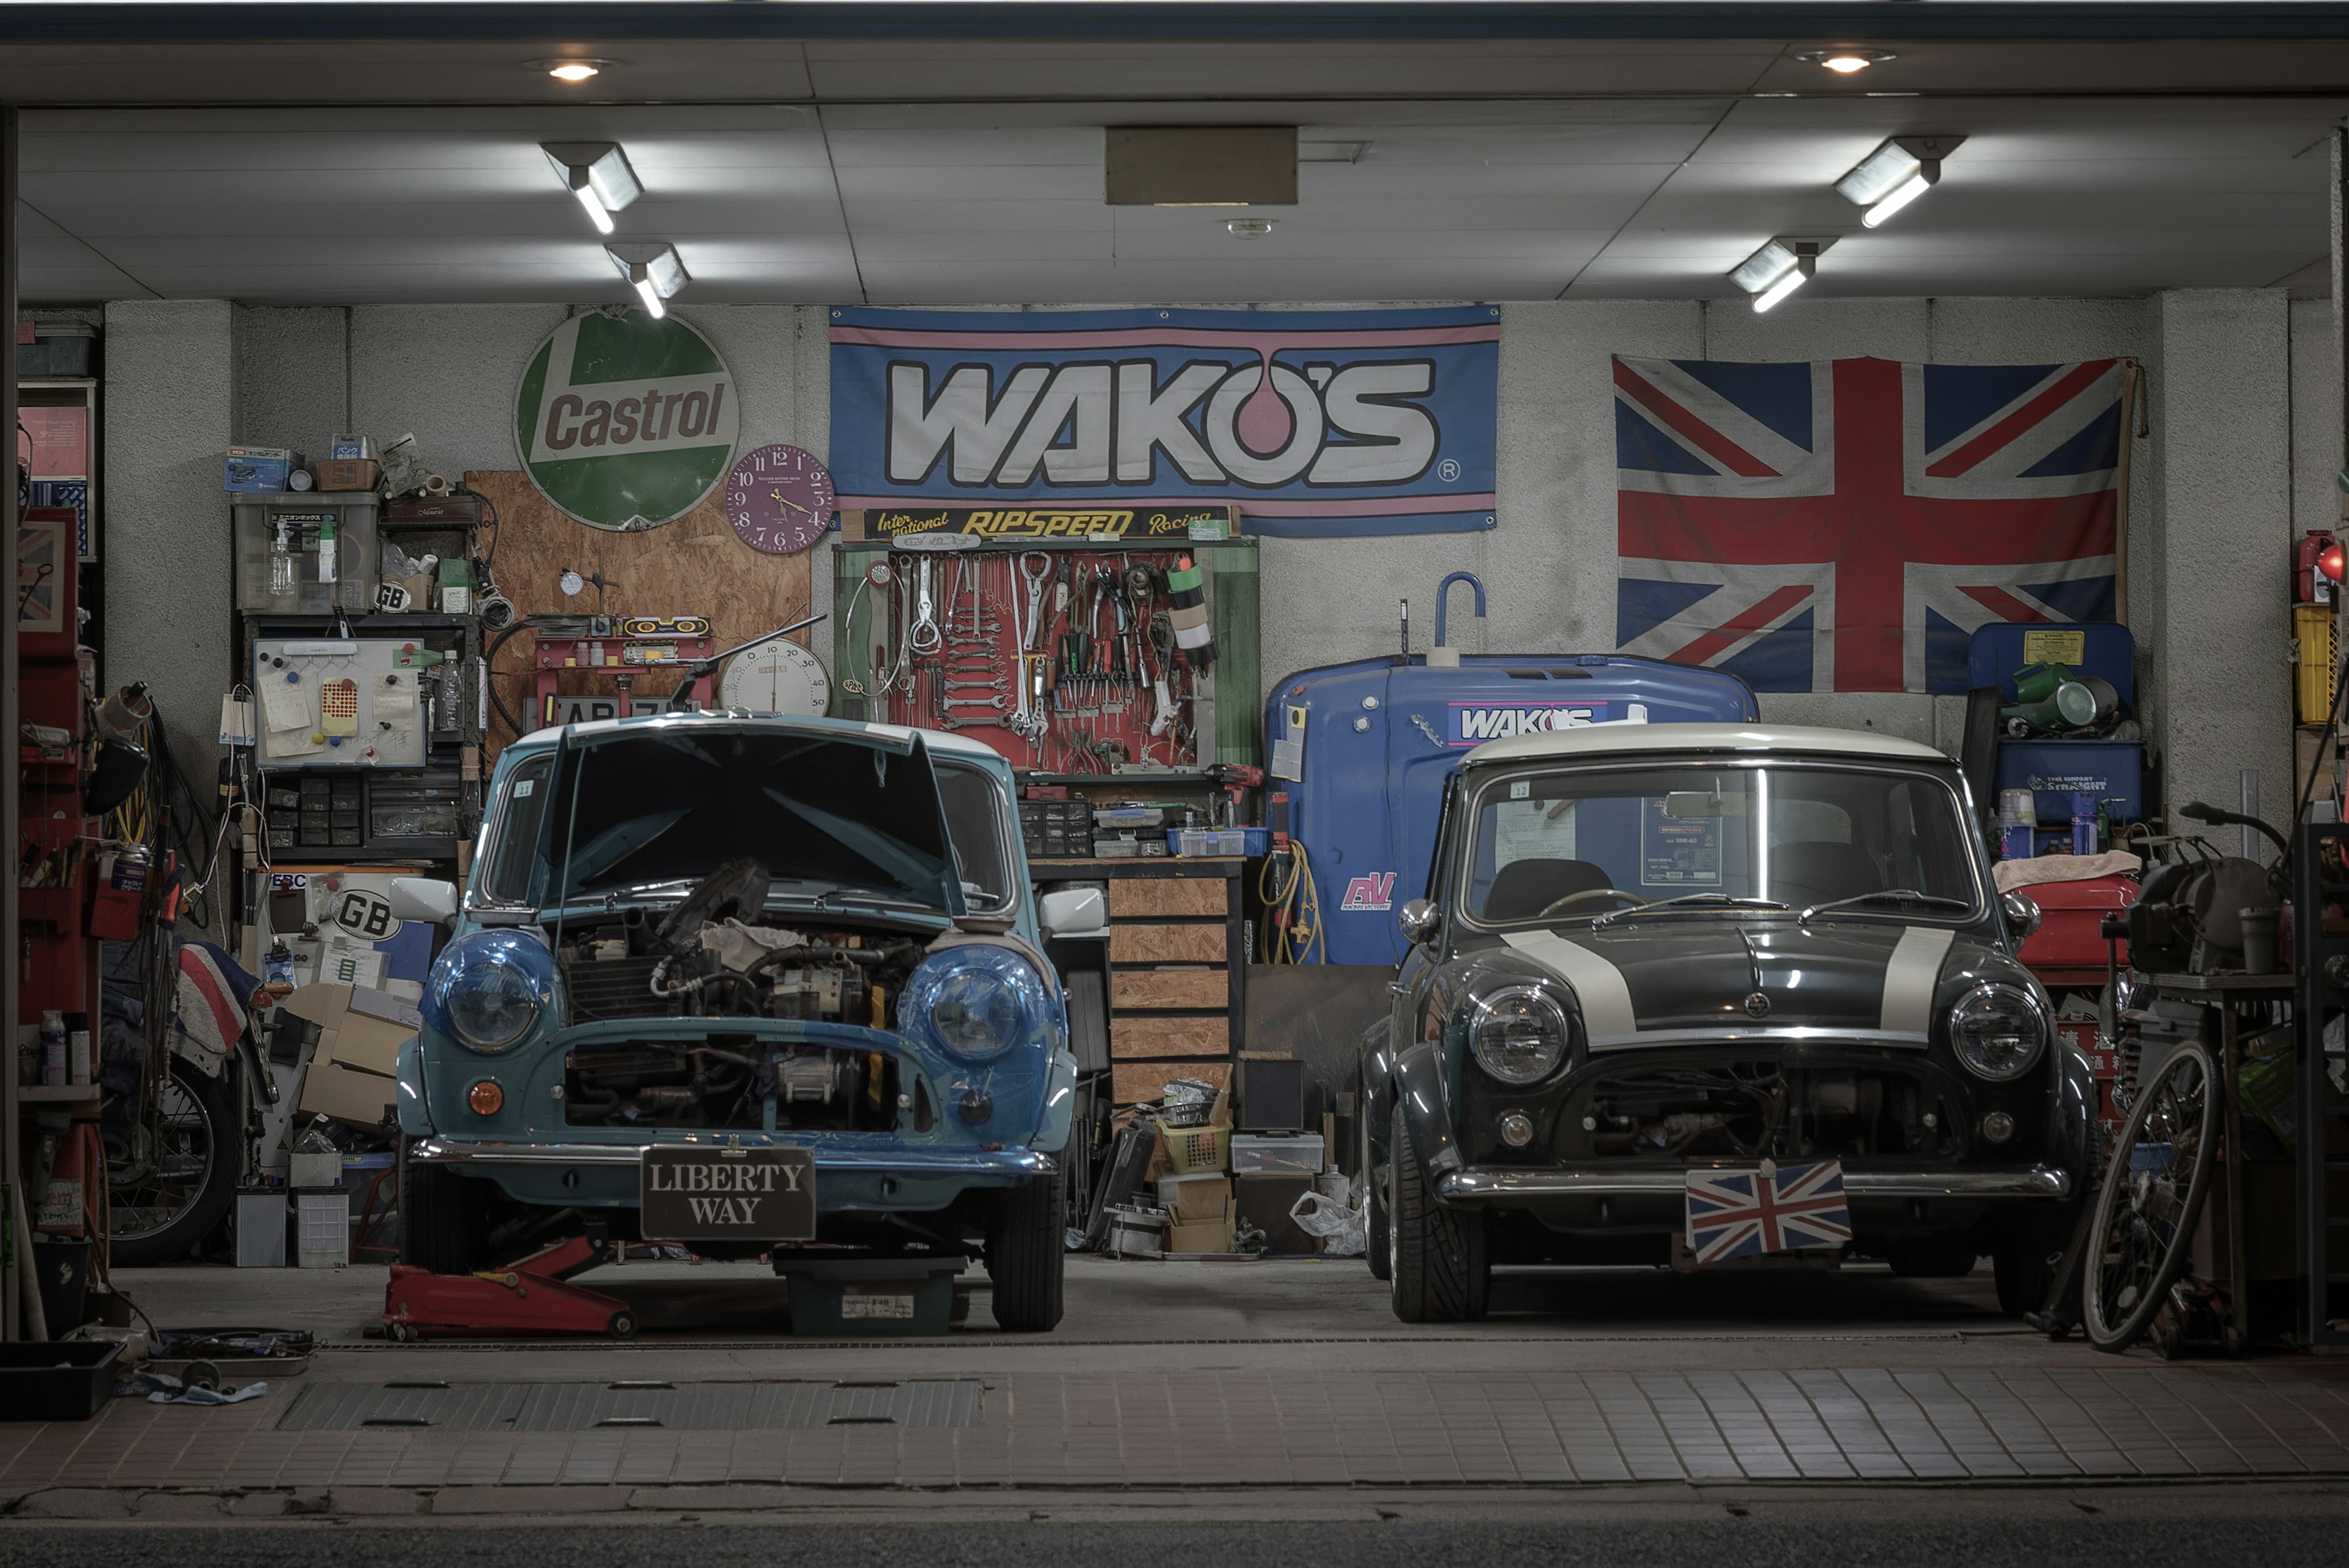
{"x": 2021, "y": 914}
{"x": 1419, "y": 918}
{"x": 1067, "y": 912}
{"x": 423, "y": 898}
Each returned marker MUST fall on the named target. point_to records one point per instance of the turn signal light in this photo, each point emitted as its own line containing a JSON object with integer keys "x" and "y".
{"x": 486, "y": 1098}
{"x": 2333, "y": 561}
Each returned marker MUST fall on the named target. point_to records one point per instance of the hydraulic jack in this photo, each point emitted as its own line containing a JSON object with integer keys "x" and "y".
{"x": 530, "y": 1295}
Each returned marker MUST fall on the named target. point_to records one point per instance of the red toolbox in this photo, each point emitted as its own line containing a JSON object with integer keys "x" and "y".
{"x": 2066, "y": 949}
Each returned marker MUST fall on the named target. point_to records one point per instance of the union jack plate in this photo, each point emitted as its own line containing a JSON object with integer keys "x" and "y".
{"x": 1737, "y": 1214}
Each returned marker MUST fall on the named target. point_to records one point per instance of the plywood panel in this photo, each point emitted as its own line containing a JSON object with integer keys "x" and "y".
{"x": 695, "y": 565}
{"x": 1158, "y": 896}
{"x": 1147, "y": 1035}
{"x": 1133, "y": 1082}
{"x": 1166, "y": 944}
{"x": 1170, "y": 988}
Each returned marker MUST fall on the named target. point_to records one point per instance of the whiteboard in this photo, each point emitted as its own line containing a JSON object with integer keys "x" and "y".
{"x": 347, "y": 703}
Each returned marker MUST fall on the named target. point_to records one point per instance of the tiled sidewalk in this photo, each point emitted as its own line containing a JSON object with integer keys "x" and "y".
{"x": 1236, "y": 1429}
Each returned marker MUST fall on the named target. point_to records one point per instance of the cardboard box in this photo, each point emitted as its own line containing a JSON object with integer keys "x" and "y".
{"x": 1265, "y": 1202}
{"x": 352, "y": 1072}
{"x": 261, "y": 469}
{"x": 1212, "y": 1236}
{"x": 341, "y": 474}
{"x": 346, "y": 1095}
{"x": 1197, "y": 1200}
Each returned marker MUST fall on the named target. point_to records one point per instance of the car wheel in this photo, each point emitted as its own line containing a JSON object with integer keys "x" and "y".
{"x": 444, "y": 1220}
{"x": 163, "y": 1207}
{"x": 1377, "y": 1252}
{"x": 2024, "y": 1273}
{"x": 1436, "y": 1255}
{"x": 1027, "y": 1252}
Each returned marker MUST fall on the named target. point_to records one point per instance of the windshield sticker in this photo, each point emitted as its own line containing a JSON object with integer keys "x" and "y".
{"x": 1520, "y": 789}
{"x": 524, "y": 788}
{"x": 1532, "y": 830}
{"x": 1676, "y": 851}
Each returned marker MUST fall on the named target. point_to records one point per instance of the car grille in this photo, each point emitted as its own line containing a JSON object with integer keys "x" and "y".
{"x": 613, "y": 988}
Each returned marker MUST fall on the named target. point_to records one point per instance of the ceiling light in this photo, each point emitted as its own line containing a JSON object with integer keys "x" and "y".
{"x": 598, "y": 173}
{"x": 576, "y": 70}
{"x": 1896, "y": 175}
{"x": 1845, "y": 62}
{"x": 1778, "y": 269}
{"x": 1249, "y": 228}
{"x": 653, "y": 270}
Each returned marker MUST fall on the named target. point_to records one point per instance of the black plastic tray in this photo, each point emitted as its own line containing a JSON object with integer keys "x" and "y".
{"x": 66, "y": 1381}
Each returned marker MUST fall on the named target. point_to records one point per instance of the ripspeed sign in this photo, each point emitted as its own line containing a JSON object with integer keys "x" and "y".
{"x": 626, "y": 422}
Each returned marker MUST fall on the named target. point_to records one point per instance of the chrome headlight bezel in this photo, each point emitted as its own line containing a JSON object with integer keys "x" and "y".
{"x": 1998, "y": 1033}
{"x": 1519, "y": 1033}
{"x": 490, "y": 990}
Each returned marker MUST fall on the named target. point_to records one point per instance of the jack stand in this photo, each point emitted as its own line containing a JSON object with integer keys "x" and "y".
{"x": 530, "y": 1295}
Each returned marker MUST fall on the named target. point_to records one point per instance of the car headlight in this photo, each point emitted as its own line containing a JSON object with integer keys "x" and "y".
{"x": 1998, "y": 1032}
{"x": 974, "y": 1001}
{"x": 488, "y": 990}
{"x": 1518, "y": 1034}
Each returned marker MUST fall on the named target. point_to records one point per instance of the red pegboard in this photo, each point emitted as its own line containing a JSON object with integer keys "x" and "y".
{"x": 1105, "y": 681}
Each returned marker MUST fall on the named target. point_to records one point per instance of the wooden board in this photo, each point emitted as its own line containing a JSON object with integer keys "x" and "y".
{"x": 1166, "y": 944}
{"x": 1160, "y": 897}
{"x": 1147, "y": 1034}
{"x": 695, "y": 565}
{"x": 1132, "y": 1082}
{"x": 1193, "y": 987}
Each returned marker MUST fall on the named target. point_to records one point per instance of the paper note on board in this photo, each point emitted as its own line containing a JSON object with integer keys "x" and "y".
{"x": 286, "y": 705}
{"x": 395, "y": 700}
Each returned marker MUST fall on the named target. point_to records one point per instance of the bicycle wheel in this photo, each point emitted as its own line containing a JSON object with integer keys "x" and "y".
{"x": 2151, "y": 1197}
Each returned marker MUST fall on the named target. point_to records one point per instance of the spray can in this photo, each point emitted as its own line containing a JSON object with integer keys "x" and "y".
{"x": 77, "y": 1062}
{"x": 53, "y": 1048}
{"x": 2084, "y": 821}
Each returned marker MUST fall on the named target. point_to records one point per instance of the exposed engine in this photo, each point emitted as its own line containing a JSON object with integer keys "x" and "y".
{"x": 1759, "y": 1110}
{"x": 717, "y": 956}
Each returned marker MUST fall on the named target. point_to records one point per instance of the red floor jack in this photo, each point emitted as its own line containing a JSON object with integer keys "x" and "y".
{"x": 530, "y": 1295}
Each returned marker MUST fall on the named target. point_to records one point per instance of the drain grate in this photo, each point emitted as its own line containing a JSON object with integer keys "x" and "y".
{"x": 673, "y": 1407}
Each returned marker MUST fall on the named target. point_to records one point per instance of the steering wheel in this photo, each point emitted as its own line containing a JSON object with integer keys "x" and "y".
{"x": 1590, "y": 893}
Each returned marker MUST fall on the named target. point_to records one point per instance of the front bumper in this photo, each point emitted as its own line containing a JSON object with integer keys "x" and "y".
{"x": 604, "y": 1175}
{"x": 1500, "y": 1185}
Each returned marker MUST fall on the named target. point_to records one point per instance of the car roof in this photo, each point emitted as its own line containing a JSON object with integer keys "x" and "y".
{"x": 1637, "y": 740}
{"x": 935, "y": 740}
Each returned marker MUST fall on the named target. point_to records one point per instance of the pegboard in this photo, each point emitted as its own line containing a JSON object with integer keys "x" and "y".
{"x": 340, "y": 703}
{"x": 1073, "y": 622}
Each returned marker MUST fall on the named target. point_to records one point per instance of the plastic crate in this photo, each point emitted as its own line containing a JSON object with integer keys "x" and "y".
{"x": 871, "y": 1299}
{"x": 1258, "y": 1154}
{"x": 1253, "y": 843}
{"x": 69, "y": 1380}
{"x": 2112, "y": 771}
{"x": 322, "y": 1225}
{"x": 1192, "y": 1150}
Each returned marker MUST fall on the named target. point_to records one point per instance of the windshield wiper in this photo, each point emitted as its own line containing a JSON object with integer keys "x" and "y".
{"x": 1686, "y": 900}
{"x": 1903, "y": 895}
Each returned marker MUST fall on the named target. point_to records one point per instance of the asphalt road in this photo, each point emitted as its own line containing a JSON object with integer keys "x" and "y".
{"x": 2107, "y": 1540}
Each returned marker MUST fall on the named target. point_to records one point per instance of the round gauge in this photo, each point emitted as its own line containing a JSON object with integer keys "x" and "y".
{"x": 780, "y": 499}
{"x": 572, "y": 584}
{"x": 777, "y": 676}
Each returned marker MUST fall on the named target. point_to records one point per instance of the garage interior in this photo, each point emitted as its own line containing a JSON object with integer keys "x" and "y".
{"x": 307, "y": 543}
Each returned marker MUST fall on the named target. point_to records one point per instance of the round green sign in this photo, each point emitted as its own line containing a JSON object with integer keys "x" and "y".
{"x": 626, "y": 422}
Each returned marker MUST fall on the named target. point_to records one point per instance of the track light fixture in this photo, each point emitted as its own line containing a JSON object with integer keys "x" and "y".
{"x": 653, "y": 270}
{"x": 1778, "y": 269}
{"x": 598, "y": 173}
{"x": 1896, "y": 175}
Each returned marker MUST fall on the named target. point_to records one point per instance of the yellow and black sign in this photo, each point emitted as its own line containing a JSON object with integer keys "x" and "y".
{"x": 1144, "y": 524}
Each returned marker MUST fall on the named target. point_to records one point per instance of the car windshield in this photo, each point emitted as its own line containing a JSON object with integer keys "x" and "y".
{"x": 659, "y": 810}
{"x": 1589, "y": 842}
{"x": 976, "y": 812}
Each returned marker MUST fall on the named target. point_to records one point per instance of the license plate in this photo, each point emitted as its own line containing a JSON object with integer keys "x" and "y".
{"x": 1766, "y": 1211}
{"x": 689, "y": 1194}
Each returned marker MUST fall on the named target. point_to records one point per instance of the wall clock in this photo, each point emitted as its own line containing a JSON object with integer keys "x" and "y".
{"x": 780, "y": 499}
{"x": 778, "y": 676}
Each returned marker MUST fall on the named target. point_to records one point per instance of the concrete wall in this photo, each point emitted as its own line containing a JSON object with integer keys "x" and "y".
{"x": 2240, "y": 388}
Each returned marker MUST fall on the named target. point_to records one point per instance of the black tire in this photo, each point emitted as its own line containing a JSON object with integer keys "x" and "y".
{"x": 444, "y": 1220}
{"x": 203, "y": 1116}
{"x": 622, "y": 1326}
{"x": 1436, "y": 1255}
{"x": 2025, "y": 1261}
{"x": 1943, "y": 1257}
{"x": 1375, "y": 1204}
{"x": 1027, "y": 1252}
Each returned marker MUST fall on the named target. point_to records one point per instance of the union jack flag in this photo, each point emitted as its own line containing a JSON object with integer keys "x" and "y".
{"x": 1844, "y": 526}
{"x": 1746, "y": 1213}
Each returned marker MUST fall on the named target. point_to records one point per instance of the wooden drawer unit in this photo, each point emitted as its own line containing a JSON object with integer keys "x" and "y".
{"x": 1175, "y": 968}
{"x": 1166, "y": 944}
{"x": 1141, "y": 990}
{"x": 1164, "y": 897}
{"x": 1145, "y": 1034}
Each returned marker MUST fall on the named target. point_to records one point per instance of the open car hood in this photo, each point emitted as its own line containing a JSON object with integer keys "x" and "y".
{"x": 816, "y": 802}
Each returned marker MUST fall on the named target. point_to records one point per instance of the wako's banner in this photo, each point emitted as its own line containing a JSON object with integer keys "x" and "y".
{"x": 1313, "y": 423}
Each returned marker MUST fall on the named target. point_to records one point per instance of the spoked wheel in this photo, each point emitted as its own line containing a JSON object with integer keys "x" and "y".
{"x": 177, "y": 1177}
{"x": 2151, "y": 1198}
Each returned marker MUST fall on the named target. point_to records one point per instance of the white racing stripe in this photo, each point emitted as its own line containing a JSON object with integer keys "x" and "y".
{"x": 1911, "y": 977}
{"x": 1606, "y": 997}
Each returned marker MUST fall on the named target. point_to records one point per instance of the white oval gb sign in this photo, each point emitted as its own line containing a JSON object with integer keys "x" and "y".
{"x": 627, "y": 422}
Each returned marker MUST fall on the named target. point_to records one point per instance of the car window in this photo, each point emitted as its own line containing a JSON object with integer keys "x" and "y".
{"x": 521, "y": 812}
{"x": 976, "y": 820}
{"x": 1578, "y": 843}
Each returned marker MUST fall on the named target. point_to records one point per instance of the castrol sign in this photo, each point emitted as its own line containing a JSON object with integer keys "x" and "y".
{"x": 627, "y": 422}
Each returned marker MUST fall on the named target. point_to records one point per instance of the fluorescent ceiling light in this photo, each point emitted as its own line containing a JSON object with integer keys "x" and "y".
{"x": 575, "y": 70}
{"x": 1779, "y": 268}
{"x": 598, "y": 173}
{"x": 653, "y": 270}
{"x": 1249, "y": 228}
{"x": 1896, "y": 175}
{"x": 1845, "y": 62}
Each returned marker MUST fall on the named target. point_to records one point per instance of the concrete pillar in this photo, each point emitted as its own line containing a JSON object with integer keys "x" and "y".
{"x": 2219, "y": 631}
{"x": 169, "y": 417}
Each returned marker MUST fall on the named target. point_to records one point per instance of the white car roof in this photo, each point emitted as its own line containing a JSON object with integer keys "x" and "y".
{"x": 1636, "y": 740}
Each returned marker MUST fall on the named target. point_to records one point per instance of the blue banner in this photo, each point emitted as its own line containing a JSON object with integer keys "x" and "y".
{"x": 1314, "y": 424}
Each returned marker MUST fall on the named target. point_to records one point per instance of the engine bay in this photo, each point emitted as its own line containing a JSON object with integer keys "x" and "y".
{"x": 716, "y": 955}
{"x": 1762, "y": 1109}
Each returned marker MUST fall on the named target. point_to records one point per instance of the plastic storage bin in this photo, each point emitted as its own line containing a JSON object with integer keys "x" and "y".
{"x": 1192, "y": 1150}
{"x": 323, "y": 1224}
{"x": 1250, "y": 842}
{"x": 2112, "y": 771}
{"x": 69, "y": 1380}
{"x": 1262, "y": 1154}
{"x": 871, "y": 1299}
{"x": 254, "y": 520}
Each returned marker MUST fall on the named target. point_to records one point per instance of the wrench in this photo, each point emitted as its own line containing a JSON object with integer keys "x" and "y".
{"x": 995, "y": 702}
{"x": 995, "y": 685}
{"x": 925, "y": 637}
{"x": 1037, "y": 568}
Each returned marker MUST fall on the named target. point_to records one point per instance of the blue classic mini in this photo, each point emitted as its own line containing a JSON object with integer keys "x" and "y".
{"x": 743, "y": 982}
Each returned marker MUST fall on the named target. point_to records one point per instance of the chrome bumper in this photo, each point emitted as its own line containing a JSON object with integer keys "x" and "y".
{"x": 844, "y": 1161}
{"x": 1600, "y": 1181}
